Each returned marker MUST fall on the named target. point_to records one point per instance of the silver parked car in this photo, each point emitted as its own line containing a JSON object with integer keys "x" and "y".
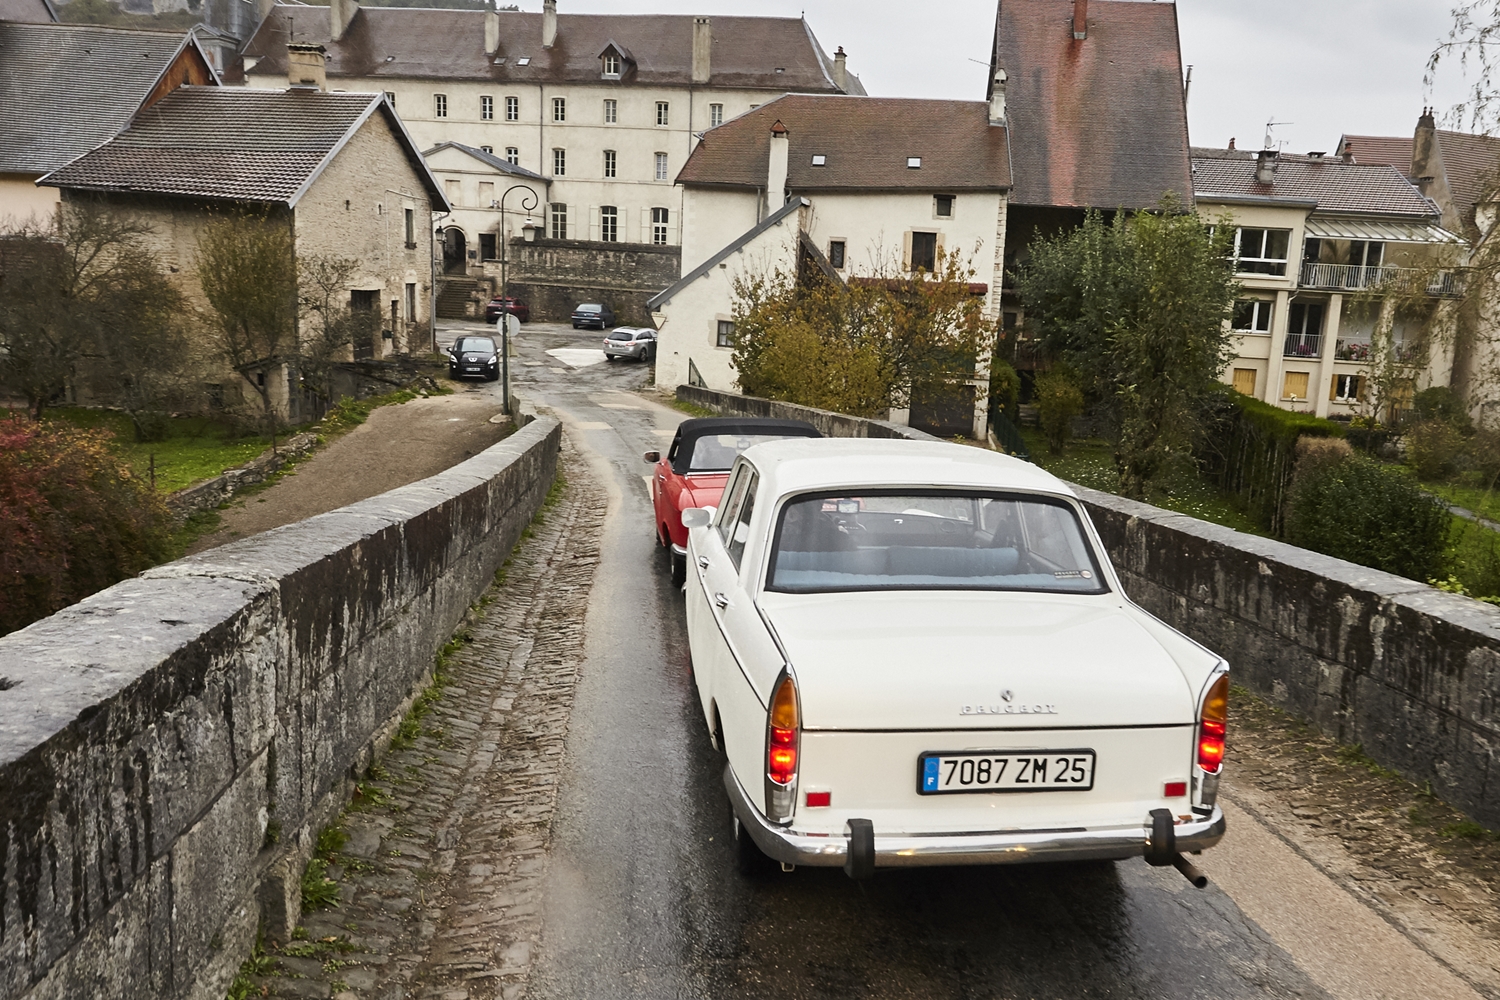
{"x": 630, "y": 342}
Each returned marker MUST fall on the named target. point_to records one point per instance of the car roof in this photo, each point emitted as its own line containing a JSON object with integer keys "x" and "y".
{"x": 700, "y": 426}
{"x": 800, "y": 465}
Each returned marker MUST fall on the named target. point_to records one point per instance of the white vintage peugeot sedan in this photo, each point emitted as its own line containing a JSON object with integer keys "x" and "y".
{"x": 918, "y": 653}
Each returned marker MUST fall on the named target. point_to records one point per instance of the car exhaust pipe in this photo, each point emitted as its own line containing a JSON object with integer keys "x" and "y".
{"x": 1189, "y": 871}
{"x": 859, "y": 862}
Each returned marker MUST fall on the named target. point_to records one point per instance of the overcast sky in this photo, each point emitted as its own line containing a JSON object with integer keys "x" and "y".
{"x": 1325, "y": 66}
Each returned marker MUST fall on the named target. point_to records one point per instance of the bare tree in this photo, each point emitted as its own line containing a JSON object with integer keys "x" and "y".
{"x": 247, "y": 267}
{"x": 330, "y": 327}
{"x": 85, "y": 283}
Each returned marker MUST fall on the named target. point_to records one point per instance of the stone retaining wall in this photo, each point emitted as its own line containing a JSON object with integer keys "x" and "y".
{"x": 1410, "y": 673}
{"x": 828, "y": 423}
{"x": 169, "y": 747}
{"x": 212, "y": 493}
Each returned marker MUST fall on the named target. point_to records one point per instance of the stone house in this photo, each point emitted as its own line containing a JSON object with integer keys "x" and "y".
{"x": 888, "y": 185}
{"x": 339, "y": 168}
{"x": 606, "y": 107}
{"x": 1325, "y": 248}
{"x": 1092, "y": 96}
{"x": 66, "y": 88}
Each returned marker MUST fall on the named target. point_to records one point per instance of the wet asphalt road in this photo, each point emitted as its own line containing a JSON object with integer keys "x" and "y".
{"x": 642, "y": 897}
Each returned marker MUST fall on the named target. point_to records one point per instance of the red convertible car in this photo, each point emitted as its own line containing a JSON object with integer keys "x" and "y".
{"x": 696, "y": 467}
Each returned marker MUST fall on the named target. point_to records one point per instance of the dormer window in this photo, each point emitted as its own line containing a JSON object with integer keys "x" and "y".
{"x": 612, "y": 64}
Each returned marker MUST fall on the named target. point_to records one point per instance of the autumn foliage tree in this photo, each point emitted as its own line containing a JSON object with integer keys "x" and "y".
{"x": 73, "y": 519}
{"x": 863, "y": 347}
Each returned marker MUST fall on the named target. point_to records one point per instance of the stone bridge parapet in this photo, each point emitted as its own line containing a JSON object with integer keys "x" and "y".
{"x": 170, "y": 747}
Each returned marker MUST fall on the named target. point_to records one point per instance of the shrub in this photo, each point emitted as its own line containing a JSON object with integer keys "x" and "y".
{"x": 1058, "y": 401}
{"x": 73, "y": 519}
{"x": 1441, "y": 403}
{"x": 1359, "y": 511}
{"x": 1252, "y": 451}
{"x": 1316, "y": 455}
{"x": 1005, "y": 390}
{"x": 1433, "y": 447}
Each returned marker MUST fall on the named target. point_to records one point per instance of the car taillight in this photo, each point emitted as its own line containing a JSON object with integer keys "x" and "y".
{"x": 782, "y": 732}
{"x": 1213, "y": 724}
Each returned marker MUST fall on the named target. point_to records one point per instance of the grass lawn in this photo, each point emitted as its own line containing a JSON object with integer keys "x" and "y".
{"x": 1090, "y": 462}
{"x": 196, "y": 448}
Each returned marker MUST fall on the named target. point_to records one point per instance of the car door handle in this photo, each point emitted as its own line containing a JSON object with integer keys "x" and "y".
{"x": 721, "y": 600}
{"x": 703, "y": 562}
{"x": 661, "y": 479}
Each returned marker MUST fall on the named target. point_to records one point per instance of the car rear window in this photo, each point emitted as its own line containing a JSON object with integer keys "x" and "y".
{"x": 589, "y": 309}
{"x": 717, "y": 452}
{"x": 472, "y": 344}
{"x": 931, "y": 540}
{"x": 622, "y": 335}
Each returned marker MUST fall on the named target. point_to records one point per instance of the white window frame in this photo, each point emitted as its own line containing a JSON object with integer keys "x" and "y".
{"x": 559, "y": 162}
{"x": 512, "y": 109}
{"x": 611, "y": 111}
{"x": 559, "y": 109}
{"x": 611, "y": 163}
{"x": 660, "y": 172}
{"x": 1271, "y": 266}
{"x": 513, "y": 155}
{"x": 663, "y": 114}
{"x": 440, "y": 105}
{"x": 1262, "y": 310}
{"x": 557, "y": 217}
{"x": 609, "y": 224}
{"x": 660, "y": 225}
{"x": 715, "y": 115}
{"x": 486, "y": 108}
{"x": 612, "y": 65}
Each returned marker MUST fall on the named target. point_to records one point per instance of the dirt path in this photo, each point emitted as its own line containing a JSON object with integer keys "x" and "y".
{"x": 397, "y": 445}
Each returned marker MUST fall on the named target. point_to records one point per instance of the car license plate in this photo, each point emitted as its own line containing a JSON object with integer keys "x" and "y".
{"x": 1007, "y": 771}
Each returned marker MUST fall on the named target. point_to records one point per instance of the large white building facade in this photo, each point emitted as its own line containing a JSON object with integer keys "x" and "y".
{"x": 605, "y": 108}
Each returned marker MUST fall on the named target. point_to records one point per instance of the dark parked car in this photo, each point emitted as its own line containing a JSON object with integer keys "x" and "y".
{"x": 630, "y": 342}
{"x": 474, "y": 356}
{"x": 516, "y": 307}
{"x": 593, "y": 314}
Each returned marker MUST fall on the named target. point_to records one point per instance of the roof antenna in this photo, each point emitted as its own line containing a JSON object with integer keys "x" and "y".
{"x": 1270, "y": 124}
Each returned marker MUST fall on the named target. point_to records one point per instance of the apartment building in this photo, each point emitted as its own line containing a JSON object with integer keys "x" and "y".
{"x": 1346, "y": 272}
{"x": 605, "y": 108}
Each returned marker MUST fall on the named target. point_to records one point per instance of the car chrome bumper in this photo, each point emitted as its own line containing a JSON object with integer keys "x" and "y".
{"x": 678, "y": 550}
{"x": 1004, "y": 847}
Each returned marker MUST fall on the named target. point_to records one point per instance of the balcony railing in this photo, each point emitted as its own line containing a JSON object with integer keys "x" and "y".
{"x": 1352, "y": 277}
{"x": 1303, "y": 345}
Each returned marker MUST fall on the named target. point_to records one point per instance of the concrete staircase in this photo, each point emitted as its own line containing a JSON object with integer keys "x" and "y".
{"x": 454, "y": 294}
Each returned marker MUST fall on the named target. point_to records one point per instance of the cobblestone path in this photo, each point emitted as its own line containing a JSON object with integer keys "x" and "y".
{"x": 438, "y": 862}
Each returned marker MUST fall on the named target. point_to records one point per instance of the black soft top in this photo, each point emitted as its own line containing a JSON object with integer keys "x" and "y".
{"x": 689, "y": 431}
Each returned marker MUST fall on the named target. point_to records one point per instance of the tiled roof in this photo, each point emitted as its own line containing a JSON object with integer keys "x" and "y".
{"x": 1471, "y": 163}
{"x": 499, "y": 163}
{"x": 230, "y": 143}
{"x": 1336, "y": 186}
{"x": 65, "y": 88}
{"x": 1096, "y": 122}
{"x": 775, "y": 53}
{"x": 32, "y": 11}
{"x": 865, "y": 142}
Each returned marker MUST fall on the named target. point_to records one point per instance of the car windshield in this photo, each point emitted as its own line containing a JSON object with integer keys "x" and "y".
{"x": 470, "y": 345}
{"x": 931, "y": 540}
{"x": 622, "y": 335}
{"x": 717, "y": 452}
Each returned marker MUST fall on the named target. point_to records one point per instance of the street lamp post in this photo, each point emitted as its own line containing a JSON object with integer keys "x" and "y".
{"x": 528, "y": 202}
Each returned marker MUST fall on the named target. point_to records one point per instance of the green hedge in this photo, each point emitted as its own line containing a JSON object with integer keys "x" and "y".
{"x": 1360, "y": 511}
{"x": 1250, "y": 450}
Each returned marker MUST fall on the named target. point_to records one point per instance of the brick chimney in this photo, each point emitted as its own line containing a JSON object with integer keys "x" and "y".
{"x": 1080, "y": 19}
{"x": 703, "y": 44}
{"x": 305, "y": 66}
{"x": 777, "y": 166}
{"x": 340, "y": 13}
{"x": 997, "y": 97}
{"x": 1265, "y": 166}
{"x": 491, "y": 31}
{"x": 1347, "y": 153}
{"x": 840, "y": 70}
{"x": 549, "y": 23}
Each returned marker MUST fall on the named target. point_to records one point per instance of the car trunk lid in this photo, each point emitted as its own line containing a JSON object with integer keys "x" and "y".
{"x": 905, "y": 660}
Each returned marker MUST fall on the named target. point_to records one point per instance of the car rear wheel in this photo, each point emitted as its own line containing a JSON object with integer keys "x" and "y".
{"x": 609, "y": 357}
{"x": 749, "y": 860}
{"x": 679, "y": 570}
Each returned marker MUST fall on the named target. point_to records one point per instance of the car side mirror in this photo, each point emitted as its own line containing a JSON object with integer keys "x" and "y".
{"x": 652, "y": 456}
{"x": 697, "y": 517}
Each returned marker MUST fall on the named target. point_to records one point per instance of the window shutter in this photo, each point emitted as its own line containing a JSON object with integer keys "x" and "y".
{"x": 906, "y": 251}
{"x": 1333, "y": 387}
{"x": 594, "y": 232}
